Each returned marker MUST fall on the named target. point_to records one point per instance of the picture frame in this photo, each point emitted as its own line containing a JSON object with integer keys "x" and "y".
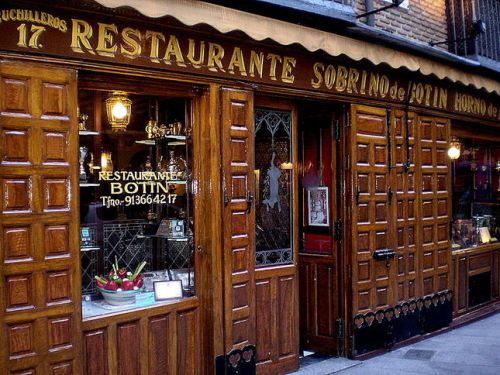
{"x": 167, "y": 289}
{"x": 318, "y": 207}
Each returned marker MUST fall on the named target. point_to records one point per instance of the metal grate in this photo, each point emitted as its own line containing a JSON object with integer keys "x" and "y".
{"x": 89, "y": 270}
{"x": 178, "y": 252}
{"x": 127, "y": 243}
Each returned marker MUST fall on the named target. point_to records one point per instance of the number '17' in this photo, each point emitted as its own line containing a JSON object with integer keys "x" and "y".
{"x": 33, "y": 40}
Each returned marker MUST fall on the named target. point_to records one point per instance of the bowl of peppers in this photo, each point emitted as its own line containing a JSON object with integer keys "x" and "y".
{"x": 120, "y": 286}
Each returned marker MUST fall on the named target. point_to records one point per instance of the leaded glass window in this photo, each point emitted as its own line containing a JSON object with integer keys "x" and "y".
{"x": 273, "y": 178}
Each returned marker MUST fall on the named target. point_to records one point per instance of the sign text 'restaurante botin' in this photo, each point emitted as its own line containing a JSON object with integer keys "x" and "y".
{"x": 93, "y": 39}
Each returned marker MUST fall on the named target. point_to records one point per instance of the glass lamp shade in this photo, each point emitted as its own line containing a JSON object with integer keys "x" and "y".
{"x": 454, "y": 148}
{"x": 118, "y": 110}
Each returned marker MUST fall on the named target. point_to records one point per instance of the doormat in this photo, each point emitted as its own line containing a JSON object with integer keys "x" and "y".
{"x": 419, "y": 354}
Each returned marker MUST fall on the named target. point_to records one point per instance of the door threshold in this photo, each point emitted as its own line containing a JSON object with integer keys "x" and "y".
{"x": 311, "y": 363}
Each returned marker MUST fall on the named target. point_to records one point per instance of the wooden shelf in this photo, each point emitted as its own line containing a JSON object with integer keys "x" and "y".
{"x": 87, "y": 132}
{"x": 90, "y": 248}
{"x": 477, "y": 249}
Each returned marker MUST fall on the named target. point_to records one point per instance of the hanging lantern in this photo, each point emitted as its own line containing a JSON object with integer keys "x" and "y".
{"x": 106, "y": 161}
{"x": 118, "y": 110}
{"x": 454, "y": 148}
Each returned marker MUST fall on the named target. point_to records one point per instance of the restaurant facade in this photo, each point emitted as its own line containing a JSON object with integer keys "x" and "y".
{"x": 278, "y": 188}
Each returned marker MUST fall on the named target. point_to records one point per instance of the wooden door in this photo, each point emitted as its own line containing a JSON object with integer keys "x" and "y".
{"x": 276, "y": 279}
{"x": 434, "y": 191}
{"x": 238, "y": 219}
{"x": 40, "y": 270}
{"x": 406, "y": 206}
{"x": 371, "y": 207}
{"x": 319, "y": 259}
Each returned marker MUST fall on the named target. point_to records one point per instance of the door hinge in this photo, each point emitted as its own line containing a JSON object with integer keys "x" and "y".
{"x": 347, "y": 111}
{"x": 347, "y": 162}
{"x": 338, "y": 230}
{"x": 389, "y": 196}
{"x": 339, "y": 325}
{"x": 337, "y": 130}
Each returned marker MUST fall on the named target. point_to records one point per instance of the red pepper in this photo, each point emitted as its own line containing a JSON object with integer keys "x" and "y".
{"x": 112, "y": 285}
{"x": 122, "y": 272}
{"x": 139, "y": 281}
{"x": 101, "y": 282}
{"x": 128, "y": 285}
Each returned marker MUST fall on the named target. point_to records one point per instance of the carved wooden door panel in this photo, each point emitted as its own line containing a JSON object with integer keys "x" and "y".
{"x": 435, "y": 204}
{"x": 40, "y": 273}
{"x": 238, "y": 219}
{"x": 371, "y": 158}
{"x": 406, "y": 205}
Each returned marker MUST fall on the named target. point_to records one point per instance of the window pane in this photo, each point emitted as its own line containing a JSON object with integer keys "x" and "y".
{"x": 273, "y": 178}
{"x": 135, "y": 195}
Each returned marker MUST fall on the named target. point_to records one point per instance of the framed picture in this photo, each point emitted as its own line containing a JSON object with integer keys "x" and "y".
{"x": 318, "y": 207}
{"x": 167, "y": 289}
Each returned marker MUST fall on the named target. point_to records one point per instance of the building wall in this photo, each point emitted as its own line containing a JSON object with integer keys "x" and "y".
{"x": 421, "y": 20}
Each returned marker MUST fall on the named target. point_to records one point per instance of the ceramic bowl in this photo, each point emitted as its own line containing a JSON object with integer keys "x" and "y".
{"x": 125, "y": 297}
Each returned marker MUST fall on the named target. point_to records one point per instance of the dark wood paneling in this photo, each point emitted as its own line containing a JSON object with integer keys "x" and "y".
{"x": 63, "y": 368}
{"x": 401, "y": 201}
{"x": 287, "y": 325}
{"x": 471, "y": 262}
{"x": 187, "y": 344}
{"x": 325, "y": 282}
{"x": 405, "y": 214}
{"x": 17, "y": 244}
{"x": 277, "y": 320}
{"x": 434, "y": 192}
{"x": 372, "y": 209}
{"x": 239, "y": 218}
{"x": 159, "y": 345}
{"x": 95, "y": 351}
{"x": 462, "y": 283}
{"x": 163, "y": 339}
{"x": 479, "y": 261}
{"x": 60, "y": 333}
{"x": 39, "y": 219}
{"x": 128, "y": 353}
{"x": 495, "y": 275}
{"x": 264, "y": 316}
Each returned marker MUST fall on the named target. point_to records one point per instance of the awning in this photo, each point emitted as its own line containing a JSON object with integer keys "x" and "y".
{"x": 192, "y": 12}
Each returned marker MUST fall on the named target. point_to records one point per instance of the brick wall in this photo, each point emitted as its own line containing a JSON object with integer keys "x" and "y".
{"x": 423, "y": 20}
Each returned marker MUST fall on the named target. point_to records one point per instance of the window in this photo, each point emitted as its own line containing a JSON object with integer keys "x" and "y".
{"x": 476, "y": 194}
{"x": 461, "y": 16}
{"x": 136, "y": 206}
{"x": 273, "y": 179}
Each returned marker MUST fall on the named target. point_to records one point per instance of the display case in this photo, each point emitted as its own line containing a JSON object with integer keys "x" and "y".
{"x": 476, "y": 194}
{"x": 136, "y": 205}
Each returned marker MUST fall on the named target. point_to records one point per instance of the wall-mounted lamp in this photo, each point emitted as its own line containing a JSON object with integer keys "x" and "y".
{"x": 106, "y": 161}
{"x": 286, "y": 165}
{"x": 454, "y": 148}
{"x": 118, "y": 110}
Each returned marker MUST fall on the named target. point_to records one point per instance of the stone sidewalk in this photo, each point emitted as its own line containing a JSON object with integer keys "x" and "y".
{"x": 473, "y": 349}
